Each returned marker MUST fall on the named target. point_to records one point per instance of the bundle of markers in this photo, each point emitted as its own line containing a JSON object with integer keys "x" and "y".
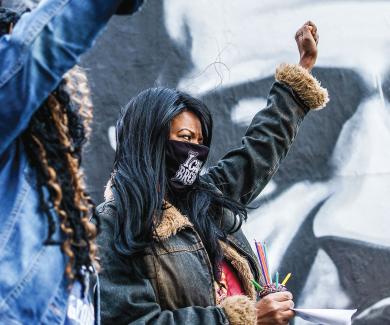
{"x": 267, "y": 285}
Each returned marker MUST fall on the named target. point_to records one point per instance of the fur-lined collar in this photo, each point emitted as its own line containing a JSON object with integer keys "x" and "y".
{"x": 172, "y": 222}
{"x": 241, "y": 265}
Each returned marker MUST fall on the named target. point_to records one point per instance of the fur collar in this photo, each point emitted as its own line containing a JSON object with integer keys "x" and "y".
{"x": 241, "y": 265}
{"x": 172, "y": 222}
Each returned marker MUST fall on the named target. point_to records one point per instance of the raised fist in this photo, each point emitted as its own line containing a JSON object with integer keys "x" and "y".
{"x": 307, "y": 40}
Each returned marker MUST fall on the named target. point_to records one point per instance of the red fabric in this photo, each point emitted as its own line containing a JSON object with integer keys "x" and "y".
{"x": 231, "y": 280}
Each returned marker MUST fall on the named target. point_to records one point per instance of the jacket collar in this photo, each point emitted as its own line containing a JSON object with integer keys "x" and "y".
{"x": 172, "y": 222}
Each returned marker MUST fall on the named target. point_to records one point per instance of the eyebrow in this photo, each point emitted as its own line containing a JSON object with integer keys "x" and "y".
{"x": 192, "y": 133}
{"x": 183, "y": 129}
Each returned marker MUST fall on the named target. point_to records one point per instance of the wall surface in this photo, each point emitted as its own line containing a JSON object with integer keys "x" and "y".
{"x": 325, "y": 214}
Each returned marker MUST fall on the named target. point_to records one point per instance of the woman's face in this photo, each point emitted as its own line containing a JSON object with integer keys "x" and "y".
{"x": 186, "y": 127}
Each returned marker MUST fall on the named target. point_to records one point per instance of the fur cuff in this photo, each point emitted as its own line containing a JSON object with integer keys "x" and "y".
{"x": 304, "y": 84}
{"x": 240, "y": 310}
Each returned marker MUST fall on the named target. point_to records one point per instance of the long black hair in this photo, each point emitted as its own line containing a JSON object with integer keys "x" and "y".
{"x": 53, "y": 142}
{"x": 139, "y": 180}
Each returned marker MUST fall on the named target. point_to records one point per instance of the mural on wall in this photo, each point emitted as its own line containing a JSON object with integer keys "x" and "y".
{"x": 325, "y": 213}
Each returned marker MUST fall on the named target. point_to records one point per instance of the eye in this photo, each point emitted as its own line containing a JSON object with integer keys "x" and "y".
{"x": 186, "y": 137}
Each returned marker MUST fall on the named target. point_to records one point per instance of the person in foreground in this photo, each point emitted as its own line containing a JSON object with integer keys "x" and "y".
{"x": 47, "y": 243}
{"x": 172, "y": 250}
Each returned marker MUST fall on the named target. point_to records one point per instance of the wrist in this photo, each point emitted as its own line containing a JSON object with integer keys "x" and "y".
{"x": 307, "y": 63}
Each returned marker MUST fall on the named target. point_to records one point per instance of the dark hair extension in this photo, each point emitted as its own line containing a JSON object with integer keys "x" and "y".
{"x": 139, "y": 175}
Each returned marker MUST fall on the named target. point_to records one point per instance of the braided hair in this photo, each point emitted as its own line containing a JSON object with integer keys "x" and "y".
{"x": 53, "y": 141}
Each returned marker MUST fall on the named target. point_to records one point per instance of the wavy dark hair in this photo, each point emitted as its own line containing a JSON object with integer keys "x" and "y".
{"x": 53, "y": 141}
{"x": 139, "y": 180}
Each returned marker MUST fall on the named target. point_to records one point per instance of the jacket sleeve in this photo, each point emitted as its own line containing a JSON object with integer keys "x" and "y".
{"x": 243, "y": 172}
{"x": 44, "y": 45}
{"x": 127, "y": 300}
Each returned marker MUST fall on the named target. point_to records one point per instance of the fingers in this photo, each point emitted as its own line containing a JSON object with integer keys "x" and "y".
{"x": 309, "y": 26}
{"x": 286, "y": 305}
{"x": 284, "y": 313}
{"x": 281, "y": 318}
{"x": 307, "y": 33}
{"x": 280, "y": 296}
{"x": 312, "y": 25}
{"x": 275, "y": 308}
{"x": 274, "y": 314}
{"x": 313, "y": 29}
{"x": 287, "y": 315}
{"x": 315, "y": 35}
{"x": 299, "y": 34}
{"x": 304, "y": 33}
{"x": 317, "y": 38}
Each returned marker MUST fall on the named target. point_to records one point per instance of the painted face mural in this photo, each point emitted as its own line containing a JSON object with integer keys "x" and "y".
{"x": 325, "y": 214}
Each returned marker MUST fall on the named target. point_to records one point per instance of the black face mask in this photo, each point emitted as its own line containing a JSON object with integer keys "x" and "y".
{"x": 184, "y": 161}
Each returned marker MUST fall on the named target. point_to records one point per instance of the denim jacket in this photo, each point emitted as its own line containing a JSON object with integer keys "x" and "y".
{"x": 177, "y": 283}
{"x": 44, "y": 44}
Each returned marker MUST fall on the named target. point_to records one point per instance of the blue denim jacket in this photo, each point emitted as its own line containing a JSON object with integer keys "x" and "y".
{"x": 44, "y": 44}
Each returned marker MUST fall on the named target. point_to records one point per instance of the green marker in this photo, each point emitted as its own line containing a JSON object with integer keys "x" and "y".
{"x": 257, "y": 286}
